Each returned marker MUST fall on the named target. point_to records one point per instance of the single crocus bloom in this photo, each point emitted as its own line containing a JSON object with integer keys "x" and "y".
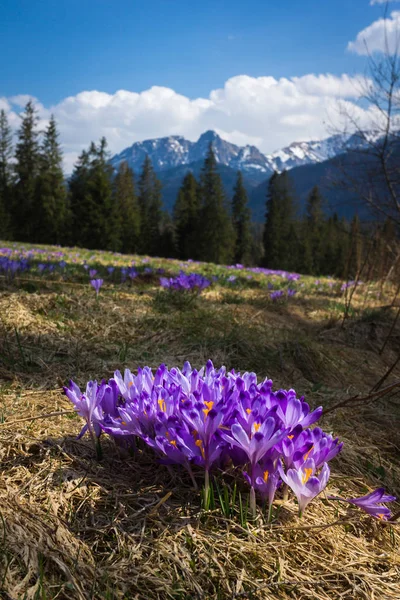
{"x": 96, "y": 283}
{"x": 304, "y": 483}
{"x": 371, "y": 503}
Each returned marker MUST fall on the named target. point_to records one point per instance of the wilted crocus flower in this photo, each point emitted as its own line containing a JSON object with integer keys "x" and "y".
{"x": 304, "y": 483}
{"x": 96, "y": 283}
{"x": 371, "y": 503}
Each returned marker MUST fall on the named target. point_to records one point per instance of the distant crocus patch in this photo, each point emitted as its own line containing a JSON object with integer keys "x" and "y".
{"x": 185, "y": 282}
{"x": 349, "y": 284}
{"x": 212, "y": 418}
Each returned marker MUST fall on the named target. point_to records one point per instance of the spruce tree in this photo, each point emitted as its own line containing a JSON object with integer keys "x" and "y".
{"x": 27, "y": 168}
{"x": 93, "y": 211}
{"x": 167, "y": 244}
{"x": 6, "y": 176}
{"x": 355, "y": 247}
{"x": 241, "y": 223}
{"x": 51, "y": 199}
{"x": 330, "y": 245}
{"x": 217, "y": 238}
{"x": 126, "y": 204}
{"x": 280, "y": 244}
{"x": 150, "y": 205}
{"x": 79, "y": 196}
{"x": 314, "y": 227}
{"x": 186, "y": 218}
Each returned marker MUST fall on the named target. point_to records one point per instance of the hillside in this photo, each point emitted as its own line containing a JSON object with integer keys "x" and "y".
{"x": 125, "y": 526}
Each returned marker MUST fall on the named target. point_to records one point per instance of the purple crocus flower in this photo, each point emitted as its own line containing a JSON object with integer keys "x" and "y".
{"x": 276, "y": 295}
{"x": 92, "y": 273}
{"x": 371, "y": 503}
{"x": 261, "y": 439}
{"x": 304, "y": 483}
{"x": 267, "y": 480}
{"x": 87, "y": 405}
{"x": 96, "y": 284}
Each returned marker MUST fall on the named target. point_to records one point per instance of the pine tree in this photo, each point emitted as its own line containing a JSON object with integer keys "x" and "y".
{"x": 280, "y": 244}
{"x": 51, "y": 212}
{"x": 6, "y": 176}
{"x": 314, "y": 226}
{"x": 27, "y": 170}
{"x": 150, "y": 205}
{"x": 186, "y": 218}
{"x": 217, "y": 237}
{"x": 241, "y": 222}
{"x": 128, "y": 214}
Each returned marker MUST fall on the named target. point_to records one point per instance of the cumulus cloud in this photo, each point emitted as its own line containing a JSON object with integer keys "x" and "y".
{"x": 382, "y": 35}
{"x": 263, "y": 111}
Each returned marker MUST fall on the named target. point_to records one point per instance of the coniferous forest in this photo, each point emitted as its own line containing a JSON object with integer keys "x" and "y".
{"x": 99, "y": 208}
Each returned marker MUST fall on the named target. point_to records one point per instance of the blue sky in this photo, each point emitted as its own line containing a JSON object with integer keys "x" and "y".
{"x": 59, "y": 48}
{"x": 261, "y": 71}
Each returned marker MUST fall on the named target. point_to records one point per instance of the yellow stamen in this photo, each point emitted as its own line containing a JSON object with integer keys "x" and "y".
{"x": 266, "y": 475}
{"x": 307, "y": 475}
{"x": 307, "y": 454}
{"x": 209, "y": 407}
{"x": 199, "y": 444}
{"x": 256, "y": 426}
{"x": 130, "y": 384}
{"x": 248, "y": 410}
{"x": 123, "y": 423}
{"x": 173, "y": 443}
{"x": 290, "y": 437}
{"x": 162, "y": 405}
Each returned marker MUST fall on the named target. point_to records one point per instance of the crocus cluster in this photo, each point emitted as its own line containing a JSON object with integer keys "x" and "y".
{"x": 185, "y": 282}
{"x": 11, "y": 267}
{"x": 212, "y": 418}
{"x": 280, "y": 294}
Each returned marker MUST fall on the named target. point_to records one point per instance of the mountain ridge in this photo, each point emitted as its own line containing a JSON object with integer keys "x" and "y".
{"x": 175, "y": 150}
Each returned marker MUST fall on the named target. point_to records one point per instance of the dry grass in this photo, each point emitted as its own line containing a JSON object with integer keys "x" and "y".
{"x": 123, "y": 528}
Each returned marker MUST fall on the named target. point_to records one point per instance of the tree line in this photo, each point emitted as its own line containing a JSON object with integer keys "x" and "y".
{"x": 100, "y": 209}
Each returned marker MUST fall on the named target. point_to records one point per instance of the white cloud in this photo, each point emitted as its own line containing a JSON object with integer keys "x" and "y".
{"x": 381, "y": 35}
{"x": 267, "y": 112}
{"x": 382, "y": 1}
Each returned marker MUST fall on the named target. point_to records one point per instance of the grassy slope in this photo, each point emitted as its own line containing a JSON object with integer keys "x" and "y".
{"x": 72, "y": 527}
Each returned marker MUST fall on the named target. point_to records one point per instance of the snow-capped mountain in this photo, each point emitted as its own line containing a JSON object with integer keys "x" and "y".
{"x": 169, "y": 152}
{"x": 307, "y": 153}
{"x": 174, "y": 151}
